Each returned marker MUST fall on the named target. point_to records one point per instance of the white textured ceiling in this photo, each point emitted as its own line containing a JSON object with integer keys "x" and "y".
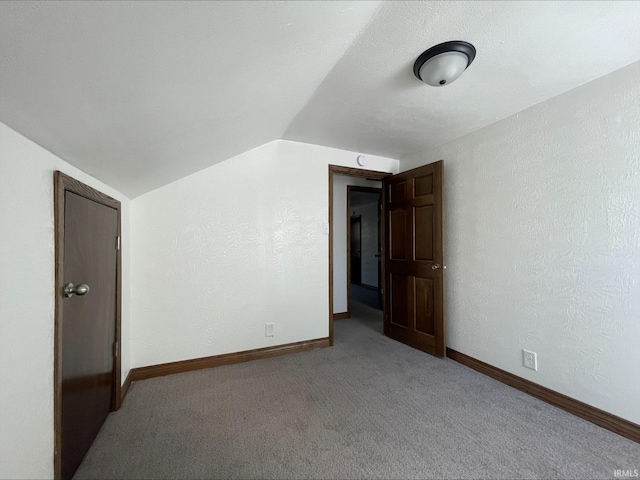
{"x": 527, "y": 52}
{"x": 142, "y": 93}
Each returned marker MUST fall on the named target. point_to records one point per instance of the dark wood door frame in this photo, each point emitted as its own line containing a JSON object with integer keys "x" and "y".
{"x": 349, "y": 172}
{"x": 354, "y": 188}
{"x": 61, "y": 184}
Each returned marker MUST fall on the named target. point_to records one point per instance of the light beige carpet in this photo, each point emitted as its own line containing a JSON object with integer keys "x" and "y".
{"x": 367, "y": 408}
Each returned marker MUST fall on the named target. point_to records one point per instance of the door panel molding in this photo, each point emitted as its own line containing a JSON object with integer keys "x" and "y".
{"x": 63, "y": 183}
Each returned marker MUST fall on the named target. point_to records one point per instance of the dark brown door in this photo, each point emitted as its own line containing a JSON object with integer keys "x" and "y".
{"x": 356, "y": 250}
{"x": 88, "y": 325}
{"x": 414, "y": 311}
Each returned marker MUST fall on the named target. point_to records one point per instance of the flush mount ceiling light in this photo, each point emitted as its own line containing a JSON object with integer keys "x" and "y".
{"x": 444, "y": 63}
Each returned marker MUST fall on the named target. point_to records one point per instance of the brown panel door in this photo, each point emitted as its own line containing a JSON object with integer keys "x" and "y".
{"x": 88, "y": 325}
{"x": 414, "y": 311}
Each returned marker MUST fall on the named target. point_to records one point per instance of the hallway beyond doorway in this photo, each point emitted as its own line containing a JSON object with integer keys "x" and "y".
{"x": 365, "y": 294}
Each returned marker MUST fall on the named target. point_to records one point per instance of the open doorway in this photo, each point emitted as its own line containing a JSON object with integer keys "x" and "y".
{"x": 340, "y": 225}
{"x": 364, "y": 245}
{"x": 413, "y": 251}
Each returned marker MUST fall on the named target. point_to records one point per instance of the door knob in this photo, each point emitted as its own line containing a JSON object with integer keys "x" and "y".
{"x": 435, "y": 266}
{"x": 70, "y": 289}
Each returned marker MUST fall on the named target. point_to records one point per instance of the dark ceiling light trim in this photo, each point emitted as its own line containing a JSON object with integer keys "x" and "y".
{"x": 453, "y": 46}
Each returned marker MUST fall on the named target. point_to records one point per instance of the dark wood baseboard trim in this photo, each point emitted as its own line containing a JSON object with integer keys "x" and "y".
{"x": 125, "y": 386}
{"x": 342, "y": 315}
{"x": 151, "y": 371}
{"x": 601, "y": 418}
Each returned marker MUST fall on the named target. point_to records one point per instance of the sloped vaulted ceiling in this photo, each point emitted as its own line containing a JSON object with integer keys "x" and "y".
{"x": 142, "y": 93}
{"x": 528, "y": 52}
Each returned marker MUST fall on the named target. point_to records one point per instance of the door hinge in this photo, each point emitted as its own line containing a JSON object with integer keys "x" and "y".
{"x": 118, "y": 242}
{"x": 115, "y": 349}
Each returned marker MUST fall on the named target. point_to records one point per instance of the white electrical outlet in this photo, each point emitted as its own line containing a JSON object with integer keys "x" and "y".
{"x": 530, "y": 359}
{"x": 269, "y": 329}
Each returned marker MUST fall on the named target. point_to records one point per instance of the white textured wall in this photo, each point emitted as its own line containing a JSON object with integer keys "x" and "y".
{"x": 543, "y": 242}
{"x": 340, "y": 226}
{"x": 27, "y": 302}
{"x": 218, "y": 254}
{"x": 369, "y": 244}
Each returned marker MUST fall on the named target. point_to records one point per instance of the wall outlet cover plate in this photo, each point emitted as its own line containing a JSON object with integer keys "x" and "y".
{"x": 530, "y": 359}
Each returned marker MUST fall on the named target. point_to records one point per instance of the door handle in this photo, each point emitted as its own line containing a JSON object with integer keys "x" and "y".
{"x": 435, "y": 266}
{"x": 70, "y": 289}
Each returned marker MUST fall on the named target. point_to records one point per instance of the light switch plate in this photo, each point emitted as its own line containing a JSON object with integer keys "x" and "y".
{"x": 269, "y": 329}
